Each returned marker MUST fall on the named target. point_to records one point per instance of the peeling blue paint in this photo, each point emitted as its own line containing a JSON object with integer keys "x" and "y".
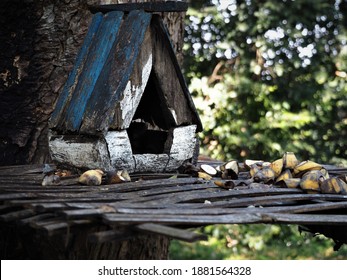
{"x": 70, "y": 84}
{"x": 97, "y": 55}
{"x": 116, "y": 73}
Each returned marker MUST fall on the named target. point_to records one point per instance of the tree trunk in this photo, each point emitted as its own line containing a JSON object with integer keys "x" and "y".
{"x": 39, "y": 41}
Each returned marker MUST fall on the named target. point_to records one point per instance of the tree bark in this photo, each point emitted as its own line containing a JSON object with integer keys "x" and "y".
{"x": 39, "y": 40}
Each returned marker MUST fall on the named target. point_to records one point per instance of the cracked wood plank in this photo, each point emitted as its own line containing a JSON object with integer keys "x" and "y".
{"x": 176, "y": 233}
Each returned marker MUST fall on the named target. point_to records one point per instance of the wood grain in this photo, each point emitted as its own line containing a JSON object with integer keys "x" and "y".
{"x": 158, "y": 206}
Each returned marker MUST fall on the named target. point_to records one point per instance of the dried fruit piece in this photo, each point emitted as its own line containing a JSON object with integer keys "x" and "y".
{"x": 334, "y": 185}
{"x": 305, "y": 166}
{"x": 289, "y": 160}
{"x": 254, "y": 168}
{"x": 50, "y": 180}
{"x": 311, "y": 180}
{"x": 115, "y": 177}
{"x": 325, "y": 173}
{"x": 208, "y": 169}
{"x": 204, "y": 176}
{"x": 225, "y": 184}
{"x": 249, "y": 162}
{"x": 277, "y": 166}
{"x": 91, "y": 177}
{"x": 286, "y": 174}
{"x": 292, "y": 182}
{"x": 230, "y": 170}
{"x": 265, "y": 175}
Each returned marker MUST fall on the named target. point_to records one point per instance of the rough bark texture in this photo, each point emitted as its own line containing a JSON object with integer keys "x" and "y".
{"x": 39, "y": 41}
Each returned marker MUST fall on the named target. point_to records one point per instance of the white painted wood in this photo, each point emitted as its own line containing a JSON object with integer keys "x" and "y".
{"x": 79, "y": 151}
{"x": 131, "y": 96}
{"x": 182, "y": 146}
{"x": 114, "y": 152}
{"x": 120, "y": 150}
{"x": 150, "y": 162}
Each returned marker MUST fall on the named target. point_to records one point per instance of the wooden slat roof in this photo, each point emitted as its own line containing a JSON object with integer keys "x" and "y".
{"x": 168, "y": 202}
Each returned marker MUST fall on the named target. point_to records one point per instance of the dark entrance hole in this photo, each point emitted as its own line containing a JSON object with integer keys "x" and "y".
{"x": 148, "y": 131}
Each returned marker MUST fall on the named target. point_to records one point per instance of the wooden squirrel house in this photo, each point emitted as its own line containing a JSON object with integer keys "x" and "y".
{"x": 125, "y": 104}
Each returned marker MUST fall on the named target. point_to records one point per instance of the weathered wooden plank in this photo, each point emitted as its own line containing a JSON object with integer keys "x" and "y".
{"x": 58, "y": 227}
{"x": 153, "y": 184}
{"x": 249, "y": 218}
{"x": 16, "y": 170}
{"x": 53, "y": 207}
{"x": 130, "y": 98}
{"x": 306, "y": 208}
{"x": 191, "y": 220}
{"x": 13, "y": 216}
{"x": 181, "y": 145}
{"x": 94, "y": 64}
{"x": 215, "y": 194}
{"x": 116, "y": 73}
{"x": 167, "y": 6}
{"x": 273, "y": 200}
{"x": 176, "y": 233}
{"x": 158, "y": 176}
{"x": 35, "y": 218}
{"x": 175, "y": 89}
{"x": 172, "y": 189}
{"x": 13, "y": 196}
{"x": 78, "y": 213}
{"x": 28, "y": 180}
{"x": 46, "y": 207}
{"x": 119, "y": 147}
{"x": 70, "y": 85}
{"x": 111, "y": 235}
{"x": 150, "y": 162}
{"x": 112, "y": 193}
{"x": 61, "y": 199}
{"x": 79, "y": 151}
{"x": 306, "y": 219}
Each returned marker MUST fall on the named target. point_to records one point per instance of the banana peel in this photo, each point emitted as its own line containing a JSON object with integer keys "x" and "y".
{"x": 277, "y": 166}
{"x": 254, "y": 168}
{"x": 265, "y": 175}
{"x": 208, "y": 169}
{"x": 230, "y": 170}
{"x": 334, "y": 186}
{"x": 311, "y": 181}
{"x": 225, "y": 184}
{"x": 116, "y": 177}
{"x": 286, "y": 174}
{"x": 289, "y": 160}
{"x": 91, "y": 177}
{"x": 249, "y": 162}
{"x": 305, "y": 166}
{"x": 204, "y": 176}
{"x": 292, "y": 182}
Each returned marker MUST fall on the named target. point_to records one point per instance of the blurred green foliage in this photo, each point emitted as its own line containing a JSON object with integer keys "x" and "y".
{"x": 257, "y": 242}
{"x": 267, "y": 77}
